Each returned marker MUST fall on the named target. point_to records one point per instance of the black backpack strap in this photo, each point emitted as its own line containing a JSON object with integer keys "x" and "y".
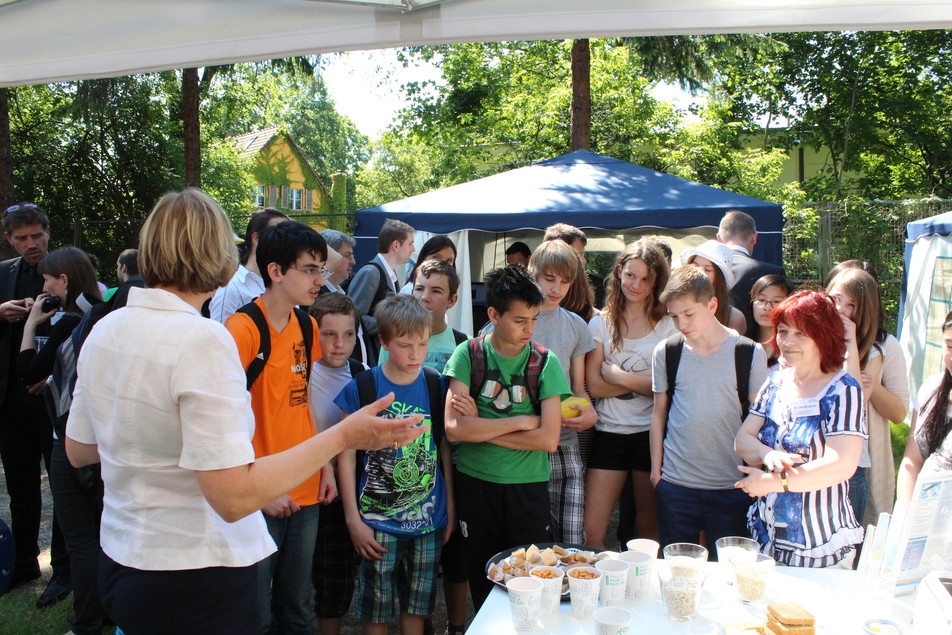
{"x": 459, "y": 337}
{"x": 355, "y": 367}
{"x": 366, "y": 387}
{"x": 477, "y": 364}
{"x": 434, "y": 388}
{"x": 672, "y": 358}
{"x": 743, "y": 358}
{"x": 307, "y": 332}
{"x": 254, "y": 369}
{"x": 383, "y": 288}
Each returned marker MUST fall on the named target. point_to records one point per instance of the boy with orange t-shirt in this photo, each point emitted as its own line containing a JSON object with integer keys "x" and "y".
{"x": 277, "y": 344}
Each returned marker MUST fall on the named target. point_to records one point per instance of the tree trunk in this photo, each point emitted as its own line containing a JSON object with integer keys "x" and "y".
{"x": 6, "y": 153}
{"x": 581, "y": 96}
{"x": 191, "y": 132}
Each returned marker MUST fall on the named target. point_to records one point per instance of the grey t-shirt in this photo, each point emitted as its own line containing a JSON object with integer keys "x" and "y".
{"x": 565, "y": 334}
{"x": 325, "y": 384}
{"x": 704, "y": 416}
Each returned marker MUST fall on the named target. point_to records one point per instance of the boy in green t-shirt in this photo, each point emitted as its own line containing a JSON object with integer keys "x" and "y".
{"x": 503, "y": 462}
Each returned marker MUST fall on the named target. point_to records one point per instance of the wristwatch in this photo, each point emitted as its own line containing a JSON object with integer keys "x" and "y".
{"x": 783, "y": 480}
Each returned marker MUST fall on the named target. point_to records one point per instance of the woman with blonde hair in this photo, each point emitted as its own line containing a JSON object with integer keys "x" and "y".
{"x": 618, "y": 373}
{"x": 162, "y": 402}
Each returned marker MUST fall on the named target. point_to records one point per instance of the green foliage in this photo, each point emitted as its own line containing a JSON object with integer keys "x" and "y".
{"x": 228, "y": 179}
{"x": 899, "y": 433}
{"x": 250, "y": 97}
{"x": 877, "y": 101}
{"x": 399, "y": 168}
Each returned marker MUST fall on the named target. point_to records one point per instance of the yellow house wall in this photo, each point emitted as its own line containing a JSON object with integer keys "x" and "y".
{"x": 280, "y": 154}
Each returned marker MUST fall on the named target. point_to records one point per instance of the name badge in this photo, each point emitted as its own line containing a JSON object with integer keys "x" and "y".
{"x": 805, "y": 408}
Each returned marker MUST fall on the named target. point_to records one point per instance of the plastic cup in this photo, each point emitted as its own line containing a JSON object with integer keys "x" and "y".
{"x": 681, "y": 594}
{"x": 551, "y": 589}
{"x": 614, "y": 582}
{"x": 611, "y": 620}
{"x": 732, "y": 550}
{"x": 685, "y": 559}
{"x": 525, "y": 593}
{"x": 752, "y": 578}
{"x": 644, "y": 544}
{"x": 584, "y": 590}
{"x": 639, "y": 574}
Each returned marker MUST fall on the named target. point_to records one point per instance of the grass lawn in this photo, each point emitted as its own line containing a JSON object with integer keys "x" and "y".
{"x": 19, "y": 615}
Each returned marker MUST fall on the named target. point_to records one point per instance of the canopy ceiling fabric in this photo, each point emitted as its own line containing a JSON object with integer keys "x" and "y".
{"x": 45, "y": 41}
{"x": 584, "y": 189}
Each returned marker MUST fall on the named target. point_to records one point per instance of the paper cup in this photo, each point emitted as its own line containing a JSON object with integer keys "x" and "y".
{"x": 584, "y": 591}
{"x": 639, "y": 574}
{"x": 614, "y": 581}
{"x": 525, "y": 594}
{"x": 611, "y": 620}
{"x": 644, "y": 544}
{"x": 551, "y": 589}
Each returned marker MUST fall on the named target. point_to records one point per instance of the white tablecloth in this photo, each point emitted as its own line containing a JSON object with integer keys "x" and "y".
{"x": 835, "y": 597}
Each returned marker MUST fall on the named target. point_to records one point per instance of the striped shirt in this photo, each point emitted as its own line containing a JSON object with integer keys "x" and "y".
{"x": 807, "y": 529}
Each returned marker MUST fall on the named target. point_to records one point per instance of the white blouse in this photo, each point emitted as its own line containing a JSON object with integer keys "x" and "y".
{"x": 162, "y": 392}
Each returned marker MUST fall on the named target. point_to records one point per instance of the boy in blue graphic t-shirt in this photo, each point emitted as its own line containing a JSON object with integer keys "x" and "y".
{"x": 397, "y": 501}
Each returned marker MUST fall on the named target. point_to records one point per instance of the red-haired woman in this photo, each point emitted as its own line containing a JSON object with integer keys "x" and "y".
{"x": 803, "y": 439}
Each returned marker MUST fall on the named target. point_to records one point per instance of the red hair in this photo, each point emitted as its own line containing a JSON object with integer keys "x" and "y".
{"x": 814, "y": 313}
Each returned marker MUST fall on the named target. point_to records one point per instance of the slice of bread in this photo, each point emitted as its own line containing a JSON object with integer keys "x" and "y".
{"x": 791, "y": 614}
{"x": 744, "y": 628}
{"x": 776, "y": 628}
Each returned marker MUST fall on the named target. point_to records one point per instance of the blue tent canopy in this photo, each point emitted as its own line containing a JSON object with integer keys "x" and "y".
{"x": 582, "y": 188}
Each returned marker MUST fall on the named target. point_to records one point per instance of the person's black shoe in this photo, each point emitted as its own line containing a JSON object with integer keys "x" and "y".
{"x": 57, "y": 590}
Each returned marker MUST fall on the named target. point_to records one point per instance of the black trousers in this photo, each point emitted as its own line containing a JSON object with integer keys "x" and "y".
{"x": 26, "y": 440}
{"x": 494, "y": 517}
{"x": 77, "y": 495}
{"x": 188, "y": 602}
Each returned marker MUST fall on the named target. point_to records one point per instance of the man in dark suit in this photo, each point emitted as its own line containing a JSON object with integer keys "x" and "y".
{"x": 739, "y": 232}
{"x": 26, "y": 433}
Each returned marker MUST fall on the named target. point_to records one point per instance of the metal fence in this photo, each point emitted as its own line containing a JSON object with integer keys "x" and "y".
{"x": 824, "y": 234}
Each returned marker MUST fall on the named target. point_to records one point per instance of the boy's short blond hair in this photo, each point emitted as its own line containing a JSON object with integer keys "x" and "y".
{"x": 554, "y": 257}
{"x": 401, "y": 314}
{"x": 439, "y": 267}
{"x": 187, "y": 243}
{"x": 688, "y": 280}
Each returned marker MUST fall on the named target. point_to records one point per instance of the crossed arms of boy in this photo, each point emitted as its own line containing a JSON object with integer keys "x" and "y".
{"x": 520, "y": 432}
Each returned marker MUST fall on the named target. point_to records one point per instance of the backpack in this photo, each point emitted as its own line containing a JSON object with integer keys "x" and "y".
{"x": 538, "y": 354}
{"x": 743, "y": 357}
{"x": 458, "y": 336}
{"x": 253, "y": 311}
{"x": 383, "y": 288}
{"x": 367, "y": 394}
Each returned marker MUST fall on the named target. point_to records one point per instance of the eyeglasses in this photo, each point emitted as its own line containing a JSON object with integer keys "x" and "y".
{"x": 312, "y": 271}
{"x": 765, "y": 304}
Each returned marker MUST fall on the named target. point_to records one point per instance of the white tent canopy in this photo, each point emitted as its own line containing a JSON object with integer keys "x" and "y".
{"x": 56, "y": 40}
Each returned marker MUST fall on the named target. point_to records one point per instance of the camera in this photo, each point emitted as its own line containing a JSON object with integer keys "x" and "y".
{"x": 50, "y": 303}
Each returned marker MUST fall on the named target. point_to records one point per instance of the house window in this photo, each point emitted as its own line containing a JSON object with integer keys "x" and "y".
{"x": 261, "y": 199}
{"x": 295, "y": 200}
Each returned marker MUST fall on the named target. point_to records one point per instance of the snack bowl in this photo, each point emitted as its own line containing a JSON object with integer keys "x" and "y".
{"x": 520, "y": 561}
